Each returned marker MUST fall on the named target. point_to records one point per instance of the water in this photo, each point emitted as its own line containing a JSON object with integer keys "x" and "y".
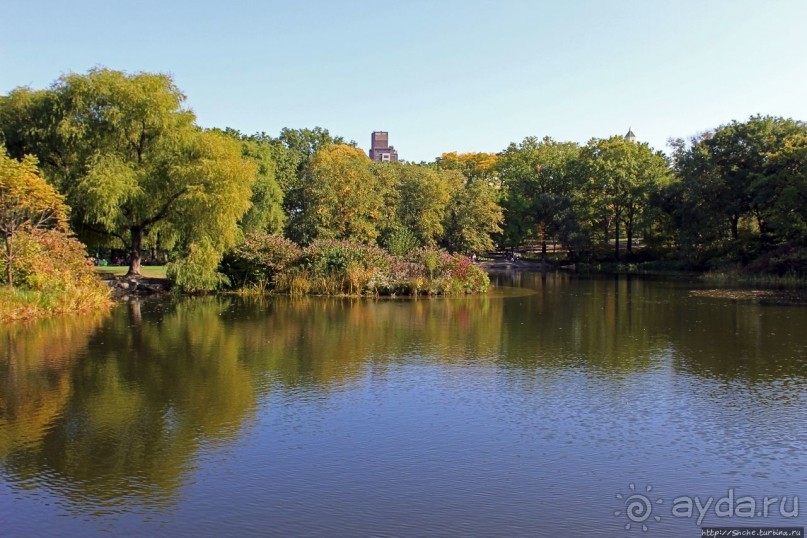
{"x": 521, "y": 413}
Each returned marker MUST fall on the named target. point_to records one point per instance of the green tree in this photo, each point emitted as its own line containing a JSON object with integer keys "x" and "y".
{"x": 27, "y": 203}
{"x": 308, "y": 141}
{"x": 28, "y": 126}
{"x": 131, "y": 161}
{"x": 782, "y": 191}
{"x": 619, "y": 176}
{"x": 266, "y": 210}
{"x": 472, "y": 217}
{"x": 539, "y": 181}
{"x": 732, "y": 177}
{"x": 423, "y": 196}
{"x": 387, "y": 179}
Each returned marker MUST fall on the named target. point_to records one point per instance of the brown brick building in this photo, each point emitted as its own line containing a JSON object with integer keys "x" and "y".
{"x": 380, "y": 150}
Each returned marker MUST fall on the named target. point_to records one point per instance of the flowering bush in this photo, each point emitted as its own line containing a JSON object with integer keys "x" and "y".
{"x": 259, "y": 259}
{"x": 450, "y": 273}
{"x": 401, "y": 277}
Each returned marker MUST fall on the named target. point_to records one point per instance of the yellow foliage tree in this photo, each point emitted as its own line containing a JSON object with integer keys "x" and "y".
{"x": 474, "y": 166}
{"x": 27, "y": 203}
{"x": 343, "y": 199}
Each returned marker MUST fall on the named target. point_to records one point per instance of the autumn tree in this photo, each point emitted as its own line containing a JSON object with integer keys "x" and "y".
{"x": 339, "y": 197}
{"x": 474, "y": 166}
{"x": 27, "y": 203}
{"x": 292, "y": 150}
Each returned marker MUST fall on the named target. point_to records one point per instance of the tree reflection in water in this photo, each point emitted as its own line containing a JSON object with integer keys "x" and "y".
{"x": 111, "y": 414}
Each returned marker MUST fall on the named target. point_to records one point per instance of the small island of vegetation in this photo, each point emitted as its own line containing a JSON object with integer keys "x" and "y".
{"x": 340, "y": 267}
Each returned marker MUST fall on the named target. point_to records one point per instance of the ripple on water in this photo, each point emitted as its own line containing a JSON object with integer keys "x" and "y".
{"x": 520, "y": 413}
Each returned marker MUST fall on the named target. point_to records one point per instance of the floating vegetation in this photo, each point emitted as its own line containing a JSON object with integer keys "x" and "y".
{"x": 772, "y": 296}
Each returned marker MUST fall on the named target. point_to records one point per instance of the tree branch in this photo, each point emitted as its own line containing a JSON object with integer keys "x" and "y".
{"x": 126, "y": 244}
{"x": 161, "y": 214}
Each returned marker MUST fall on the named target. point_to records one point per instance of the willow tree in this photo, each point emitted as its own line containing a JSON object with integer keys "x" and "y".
{"x": 195, "y": 197}
{"x": 132, "y": 161}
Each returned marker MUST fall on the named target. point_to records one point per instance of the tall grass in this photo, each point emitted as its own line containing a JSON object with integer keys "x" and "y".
{"x": 26, "y": 304}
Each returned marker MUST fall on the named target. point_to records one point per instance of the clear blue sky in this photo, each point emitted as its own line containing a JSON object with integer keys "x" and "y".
{"x": 439, "y": 75}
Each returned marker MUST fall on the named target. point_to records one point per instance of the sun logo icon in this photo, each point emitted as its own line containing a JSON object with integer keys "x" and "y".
{"x": 638, "y": 507}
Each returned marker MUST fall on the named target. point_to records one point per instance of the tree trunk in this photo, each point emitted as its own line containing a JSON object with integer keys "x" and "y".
{"x": 137, "y": 241}
{"x": 764, "y": 231}
{"x": 616, "y": 240}
{"x": 735, "y": 221}
{"x": 629, "y": 230}
{"x": 543, "y": 244}
{"x": 9, "y": 257}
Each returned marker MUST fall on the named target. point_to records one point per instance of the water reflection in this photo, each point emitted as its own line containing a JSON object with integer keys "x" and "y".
{"x": 35, "y": 376}
{"x": 133, "y": 400}
{"x": 118, "y": 414}
{"x": 623, "y": 322}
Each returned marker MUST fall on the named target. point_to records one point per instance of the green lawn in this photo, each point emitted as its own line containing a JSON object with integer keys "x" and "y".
{"x": 157, "y": 271}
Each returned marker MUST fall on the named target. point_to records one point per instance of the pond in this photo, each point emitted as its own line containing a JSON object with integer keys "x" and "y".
{"x": 553, "y": 406}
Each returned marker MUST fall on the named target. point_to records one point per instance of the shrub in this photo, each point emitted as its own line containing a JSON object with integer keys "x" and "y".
{"x": 259, "y": 259}
{"x": 401, "y": 242}
{"x": 465, "y": 276}
{"x": 450, "y": 273}
{"x": 341, "y": 266}
{"x": 786, "y": 260}
{"x": 328, "y": 257}
{"x": 400, "y": 277}
{"x": 53, "y": 275}
{"x": 294, "y": 281}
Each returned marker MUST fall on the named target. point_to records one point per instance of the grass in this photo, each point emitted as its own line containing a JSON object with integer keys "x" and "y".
{"x": 150, "y": 271}
{"x": 22, "y": 304}
{"x": 16, "y": 304}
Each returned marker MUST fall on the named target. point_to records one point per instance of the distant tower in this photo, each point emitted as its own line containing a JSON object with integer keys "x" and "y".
{"x": 380, "y": 150}
{"x": 630, "y": 137}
